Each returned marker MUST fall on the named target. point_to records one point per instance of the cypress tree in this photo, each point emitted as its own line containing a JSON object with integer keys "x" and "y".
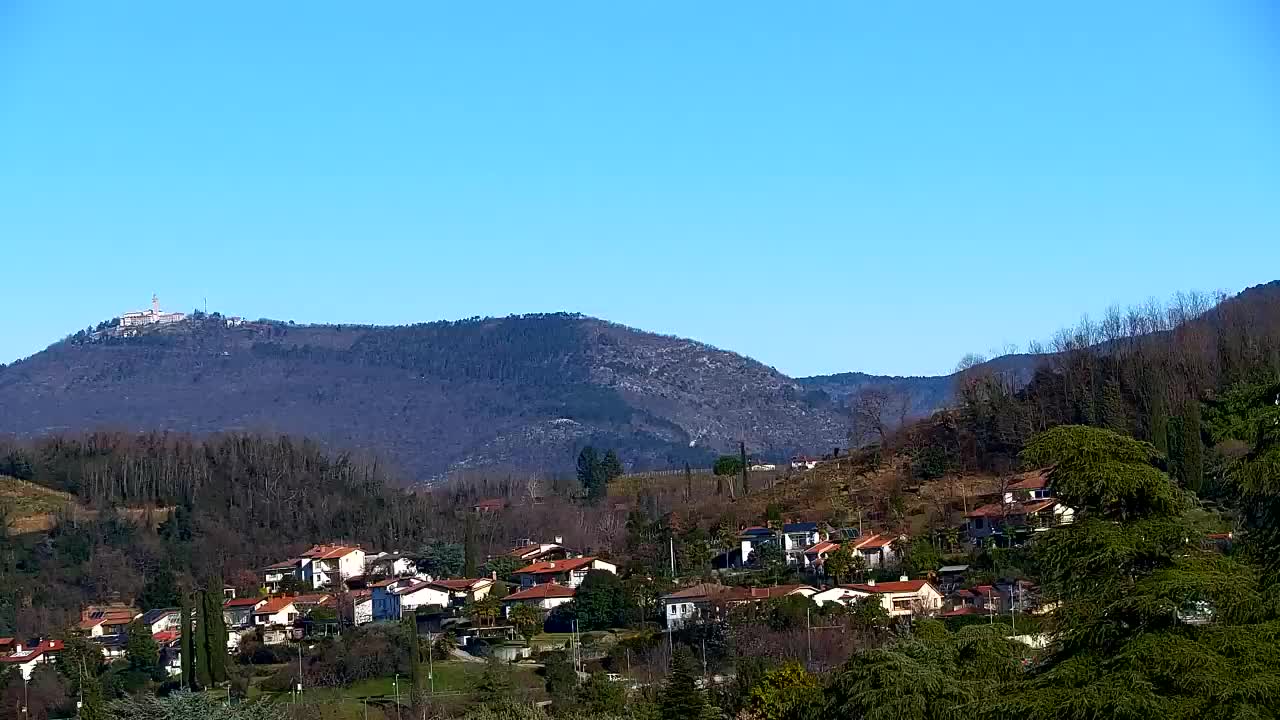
{"x": 470, "y": 563}
{"x": 203, "y": 678}
{"x": 215, "y": 636}
{"x": 1113, "y": 414}
{"x": 417, "y": 668}
{"x": 186, "y": 642}
{"x": 1191, "y": 449}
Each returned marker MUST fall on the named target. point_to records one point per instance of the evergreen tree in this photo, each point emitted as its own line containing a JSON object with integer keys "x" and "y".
{"x": 1112, "y": 412}
{"x": 601, "y": 696}
{"x": 561, "y": 681}
{"x": 1158, "y": 422}
{"x": 160, "y": 590}
{"x": 1147, "y": 624}
{"x": 200, "y": 643}
{"x": 611, "y": 466}
{"x": 470, "y": 548}
{"x": 591, "y": 473}
{"x": 494, "y": 683}
{"x": 1191, "y": 449}
{"x": 215, "y": 635}
{"x": 681, "y": 697}
{"x": 417, "y": 664}
{"x": 140, "y": 648}
{"x": 186, "y": 644}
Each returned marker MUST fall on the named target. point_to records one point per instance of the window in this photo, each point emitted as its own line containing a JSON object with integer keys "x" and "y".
{"x": 978, "y": 523}
{"x": 901, "y": 604}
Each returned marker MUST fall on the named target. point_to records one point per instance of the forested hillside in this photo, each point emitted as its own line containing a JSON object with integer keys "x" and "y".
{"x": 521, "y": 392}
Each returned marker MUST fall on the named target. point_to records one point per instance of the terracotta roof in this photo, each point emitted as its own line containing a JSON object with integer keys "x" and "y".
{"x": 312, "y": 599}
{"x": 411, "y": 588}
{"x": 242, "y": 602}
{"x": 166, "y": 636}
{"x": 329, "y": 552}
{"x": 1034, "y": 480}
{"x": 555, "y": 566}
{"x": 701, "y": 590}
{"x": 964, "y": 610}
{"x": 462, "y": 584}
{"x": 769, "y": 593}
{"x": 824, "y": 546}
{"x": 897, "y": 586}
{"x": 273, "y": 606}
{"x": 30, "y": 654}
{"x": 491, "y": 504}
{"x": 874, "y": 542}
{"x": 542, "y": 592}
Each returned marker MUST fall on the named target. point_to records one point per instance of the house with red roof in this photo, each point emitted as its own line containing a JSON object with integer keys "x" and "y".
{"x": 545, "y": 597}
{"x": 238, "y": 612}
{"x": 569, "y": 573}
{"x": 901, "y": 598}
{"x": 105, "y": 620}
{"x": 275, "y": 611}
{"x": 490, "y": 505}
{"x": 1008, "y": 521}
{"x": 321, "y": 566}
{"x": 26, "y": 660}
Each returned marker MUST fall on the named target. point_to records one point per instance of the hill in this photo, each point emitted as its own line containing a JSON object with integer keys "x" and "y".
{"x": 522, "y": 392}
{"x": 925, "y": 394}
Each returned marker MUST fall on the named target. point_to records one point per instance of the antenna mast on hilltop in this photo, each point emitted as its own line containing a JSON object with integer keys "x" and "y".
{"x": 155, "y": 303}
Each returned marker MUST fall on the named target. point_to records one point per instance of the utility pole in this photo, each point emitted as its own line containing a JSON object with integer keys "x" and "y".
{"x": 397, "y": 687}
{"x": 431, "y": 668}
{"x": 671, "y": 549}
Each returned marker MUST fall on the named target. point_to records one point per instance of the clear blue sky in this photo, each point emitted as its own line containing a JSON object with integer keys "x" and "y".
{"x": 824, "y": 186}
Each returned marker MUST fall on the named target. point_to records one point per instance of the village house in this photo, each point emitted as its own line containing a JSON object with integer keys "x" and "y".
{"x": 902, "y": 598}
{"x": 545, "y": 597}
{"x": 797, "y": 537}
{"x": 277, "y": 574}
{"x": 391, "y": 564}
{"x": 384, "y": 601}
{"x": 276, "y": 611}
{"x": 749, "y": 539}
{"x": 528, "y": 551}
{"x": 238, "y": 612}
{"x": 569, "y": 573}
{"x": 459, "y": 592}
{"x": 878, "y": 551}
{"x": 26, "y": 660}
{"x": 361, "y": 606}
{"x": 707, "y": 602}
{"x": 815, "y": 556}
{"x": 1007, "y": 521}
{"x": 99, "y": 620}
{"x": 492, "y": 505}
{"x": 332, "y": 564}
{"x": 163, "y": 620}
{"x": 1002, "y": 597}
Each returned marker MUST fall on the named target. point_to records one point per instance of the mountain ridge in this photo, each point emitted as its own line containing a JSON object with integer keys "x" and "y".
{"x": 521, "y": 391}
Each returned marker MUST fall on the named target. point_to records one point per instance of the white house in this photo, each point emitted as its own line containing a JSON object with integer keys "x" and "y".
{"x": 332, "y": 564}
{"x": 709, "y": 601}
{"x": 904, "y": 597}
{"x": 569, "y": 573}
{"x": 877, "y": 551}
{"x": 164, "y": 620}
{"x": 26, "y": 660}
{"x": 817, "y": 554}
{"x": 275, "y": 575}
{"x": 457, "y": 592}
{"x": 797, "y": 537}
{"x": 1008, "y": 519}
{"x": 276, "y": 611}
{"x": 546, "y": 597}
{"x": 391, "y": 564}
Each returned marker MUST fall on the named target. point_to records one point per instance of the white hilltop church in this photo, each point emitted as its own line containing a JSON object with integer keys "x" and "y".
{"x": 154, "y": 316}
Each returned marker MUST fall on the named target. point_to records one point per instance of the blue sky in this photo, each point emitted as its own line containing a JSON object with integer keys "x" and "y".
{"x": 824, "y": 186}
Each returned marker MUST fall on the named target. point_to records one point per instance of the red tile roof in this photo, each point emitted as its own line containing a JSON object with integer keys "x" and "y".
{"x": 29, "y": 654}
{"x": 898, "y": 586}
{"x": 824, "y": 546}
{"x": 462, "y": 584}
{"x": 166, "y": 636}
{"x": 874, "y": 542}
{"x": 964, "y": 610}
{"x": 542, "y": 592}
{"x": 491, "y": 504}
{"x": 242, "y": 602}
{"x": 282, "y": 565}
{"x": 1034, "y": 480}
{"x": 273, "y": 606}
{"x": 329, "y": 552}
{"x": 555, "y": 566}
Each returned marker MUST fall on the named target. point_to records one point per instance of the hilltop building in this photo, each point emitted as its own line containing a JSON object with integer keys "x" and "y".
{"x": 153, "y": 316}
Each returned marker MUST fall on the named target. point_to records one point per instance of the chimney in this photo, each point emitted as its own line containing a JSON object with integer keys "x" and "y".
{"x": 493, "y": 575}
{"x": 871, "y": 582}
{"x": 903, "y": 578}
{"x": 559, "y": 539}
